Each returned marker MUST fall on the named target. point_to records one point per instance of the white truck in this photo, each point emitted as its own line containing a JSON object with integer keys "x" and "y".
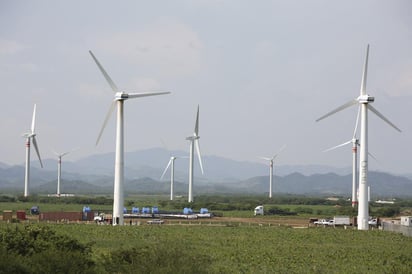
{"x": 259, "y": 210}
{"x": 341, "y": 220}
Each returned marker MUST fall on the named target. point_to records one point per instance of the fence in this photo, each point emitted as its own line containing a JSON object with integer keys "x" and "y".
{"x": 405, "y": 230}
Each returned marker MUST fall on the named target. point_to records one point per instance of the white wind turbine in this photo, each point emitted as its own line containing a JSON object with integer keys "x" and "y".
{"x": 194, "y": 141}
{"x": 30, "y": 136}
{"x": 355, "y": 144}
{"x": 171, "y": 164}
{"x": 59, "y": 168}
{"x": 119, "y": 98}
{"x": 271, "y": 169}
{"x": 364, "y": 99}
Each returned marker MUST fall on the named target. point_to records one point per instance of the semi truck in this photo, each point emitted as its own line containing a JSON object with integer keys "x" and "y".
{"x": 341, "y": 220}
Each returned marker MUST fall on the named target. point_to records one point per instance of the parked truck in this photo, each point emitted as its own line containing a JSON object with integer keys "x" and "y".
{"x": 341, "y": 220}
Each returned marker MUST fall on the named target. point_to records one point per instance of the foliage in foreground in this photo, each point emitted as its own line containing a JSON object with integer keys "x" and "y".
{"x": 200, "y": 249}
{"x": 38, "y": 249}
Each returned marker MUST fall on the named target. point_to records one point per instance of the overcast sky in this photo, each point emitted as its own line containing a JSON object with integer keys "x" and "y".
{"x": 261, "y": 71}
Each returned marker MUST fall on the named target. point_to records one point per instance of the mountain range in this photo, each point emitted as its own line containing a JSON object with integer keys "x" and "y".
{"x": 143, "y": 168}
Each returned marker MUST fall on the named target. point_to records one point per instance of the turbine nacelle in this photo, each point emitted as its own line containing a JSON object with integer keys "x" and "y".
{"x": 121, "y": 96}
{"x": 28, "y": 135}
{"x": 192, "y": 138}
{"x": 365, "y": 98}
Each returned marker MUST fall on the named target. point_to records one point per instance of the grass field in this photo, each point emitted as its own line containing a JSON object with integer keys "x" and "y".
{"x": 236, "y": 242}
{"x": 244, "y": 249}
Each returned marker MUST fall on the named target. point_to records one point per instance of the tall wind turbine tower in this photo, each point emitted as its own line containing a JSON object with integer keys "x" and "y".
{"x": 30, "y": 136}
{"x": 355, "y": 144}
{"x": 119, "y": 98}
{"x": 171, "y": 164}
{"x": 364, "y": 100}
{"x": 194, "y": 141}
{"x": 59, "y": 169}
{"x": 271, "y": 160}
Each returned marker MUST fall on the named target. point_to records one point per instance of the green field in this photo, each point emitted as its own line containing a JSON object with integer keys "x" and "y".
{"x": 236, "y": 243}
{"x": 236, "y": 249}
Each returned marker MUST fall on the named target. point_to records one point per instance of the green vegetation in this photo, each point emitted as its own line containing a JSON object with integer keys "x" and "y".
{"x": 231, "y": 206}
{"x": 199, "y": 249}
{"x": 203, "y": 247}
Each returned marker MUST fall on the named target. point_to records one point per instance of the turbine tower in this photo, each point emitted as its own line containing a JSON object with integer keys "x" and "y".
{"x": 30, "y": 136}
{"x": 355, "y": 144}
{"x": 59, "y": 168}
{"x": 119, "y": 98}
{"x": 194, "y": 141}
{"x": 171, "y": 164}
{"x": 271, "y": 170}
{"x": 364, "y": 100}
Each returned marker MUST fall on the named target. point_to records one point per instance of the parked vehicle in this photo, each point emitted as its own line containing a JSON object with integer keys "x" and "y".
{"x": 35, "y": 210}
{"x": 322, "y": 222}
{"x": 259, "y": 210}
{"x": 341, "y": 220}
{"x": 373, "y": 222}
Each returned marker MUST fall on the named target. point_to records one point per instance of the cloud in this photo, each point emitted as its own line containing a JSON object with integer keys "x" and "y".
{"x": 167, "y": 47}
{"x": 8, "y": 47}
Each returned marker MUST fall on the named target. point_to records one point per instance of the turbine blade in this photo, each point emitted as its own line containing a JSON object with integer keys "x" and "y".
{"x": 198, "y": 154}
{"x": 164, "y": 172}
{"x": 64, "y": 154}
{"x": 365, "y": 73}
{"x": 335, "y": 147}
{"x": 144, "y": 94}
{"x": 106, "y": 76}
{"x": 342, "y": 107}
{"x": 374, "y": 110}
{"x": 357, "y": 122}
{"x": 109, "y": 113}
{"x": 280, "y": 150}
{"x": 265, "y": 158}
{"x": 73, "y": 150}
{"x": 370, "y": 154}
{"x": 33, "y": 121}
{"x": 197, "y": 122}
{"x": 55, "y": 153}
{"x": 37, "y": 150}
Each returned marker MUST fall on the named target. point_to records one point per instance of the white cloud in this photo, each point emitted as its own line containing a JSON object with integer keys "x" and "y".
{"x": 167, "y": 47}
{"x": 8, "y": 47}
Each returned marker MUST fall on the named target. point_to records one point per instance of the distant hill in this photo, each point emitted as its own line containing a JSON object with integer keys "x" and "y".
{"x": 94, "y": 174}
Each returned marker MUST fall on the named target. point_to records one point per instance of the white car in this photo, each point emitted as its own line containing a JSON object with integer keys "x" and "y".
{"x": 373, "y": 222}
{"x": 323, "y": 222}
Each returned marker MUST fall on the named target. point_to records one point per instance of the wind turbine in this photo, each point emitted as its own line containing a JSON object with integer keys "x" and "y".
{"x": 30, "y": 136}
{"x": 364, "y": 99}
{"x": 194, "y": 141}
{"x": 271, "y": 170}
{"x": 355, "y": 144}
{"x": 59, "y": 168}
{"x": 119, "y": 98}
{"x": 171, "y": 164}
